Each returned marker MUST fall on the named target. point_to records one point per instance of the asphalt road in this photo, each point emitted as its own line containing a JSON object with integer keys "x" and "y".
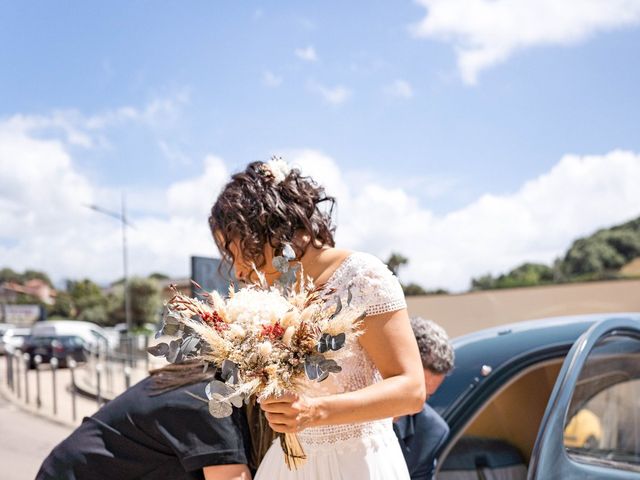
{"x": 25, "y": 440}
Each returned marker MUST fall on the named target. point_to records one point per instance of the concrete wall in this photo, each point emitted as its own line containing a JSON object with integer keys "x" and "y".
{"x": 468, "y": 312}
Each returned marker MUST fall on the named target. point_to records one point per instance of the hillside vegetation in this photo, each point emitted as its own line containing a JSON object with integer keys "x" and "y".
{"x": 599, "y": 256}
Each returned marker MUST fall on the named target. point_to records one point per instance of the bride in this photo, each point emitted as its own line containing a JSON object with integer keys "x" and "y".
{"x": 344, "y": 423}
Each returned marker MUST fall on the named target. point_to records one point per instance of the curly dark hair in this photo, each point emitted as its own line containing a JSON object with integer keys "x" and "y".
{"x": 256, "y": 210}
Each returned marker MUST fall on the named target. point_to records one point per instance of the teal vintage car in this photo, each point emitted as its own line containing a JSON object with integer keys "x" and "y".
{"x": 517, "y": 399}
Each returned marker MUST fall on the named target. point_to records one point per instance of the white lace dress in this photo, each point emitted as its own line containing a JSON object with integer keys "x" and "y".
{"x": 367, "y": 450}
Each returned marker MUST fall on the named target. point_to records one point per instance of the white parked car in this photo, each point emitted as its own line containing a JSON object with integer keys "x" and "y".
{"x": 13, "y": 339}
{"x": 93, "y": 335}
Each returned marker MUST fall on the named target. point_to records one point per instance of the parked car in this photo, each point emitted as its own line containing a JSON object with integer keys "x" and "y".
{"x": 548, "y": 399}
{"x": 4, "y": 327}
{"x": 13, "y": 339}
{"x": 61, "y": 347}
{"x": 93, "y": 335}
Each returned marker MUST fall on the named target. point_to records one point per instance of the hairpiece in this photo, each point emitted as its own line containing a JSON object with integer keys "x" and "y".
{"x": 276, "y": 168}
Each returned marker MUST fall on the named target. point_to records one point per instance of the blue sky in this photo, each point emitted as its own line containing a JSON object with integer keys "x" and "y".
{"x": 387, "y": 103}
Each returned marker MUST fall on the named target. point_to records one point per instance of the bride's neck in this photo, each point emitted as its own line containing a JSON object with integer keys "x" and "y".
{"x": 312, "y": 261}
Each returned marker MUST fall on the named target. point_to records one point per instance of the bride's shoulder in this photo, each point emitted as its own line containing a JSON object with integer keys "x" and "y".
{"x": 368, "y": 263}
{"x": 373, "y": 283}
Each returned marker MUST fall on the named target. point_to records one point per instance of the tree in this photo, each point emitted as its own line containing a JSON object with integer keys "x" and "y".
{"x": 146, "y": 302}
{"x": 9, "y": 275}
{"x": 159, "y": 276}
{"x": 396, "y": 260}
{"x": 88, "y": 300}
{"x": 485, "y": 282}
{"x": 63, "y": 306}
{"x": 35, "y": 274}
{"x": 413, "y": 289}
{"x": 526, "y": 275}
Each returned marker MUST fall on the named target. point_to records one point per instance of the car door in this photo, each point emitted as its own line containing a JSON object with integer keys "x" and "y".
{"x": 591, "y": 427}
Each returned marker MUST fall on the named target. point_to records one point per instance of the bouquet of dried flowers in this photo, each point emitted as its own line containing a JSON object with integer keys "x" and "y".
{"x": 265, "y": 340}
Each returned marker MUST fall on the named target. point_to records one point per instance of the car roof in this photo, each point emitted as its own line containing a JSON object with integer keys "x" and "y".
{"x": 498, "y": 346}
{"x": 19, "y": 331}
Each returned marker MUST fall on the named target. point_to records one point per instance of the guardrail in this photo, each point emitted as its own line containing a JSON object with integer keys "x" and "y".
{"x": 105, "y": 373}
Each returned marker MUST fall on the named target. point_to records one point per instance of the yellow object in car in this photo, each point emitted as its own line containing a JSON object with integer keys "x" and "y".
{"x": 583, "y": 431}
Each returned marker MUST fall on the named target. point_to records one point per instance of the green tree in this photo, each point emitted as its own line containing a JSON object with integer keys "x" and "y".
{"x": 146, "y": 302}
{"x": 413, "y": 289}
{"x": 602, "y": 254}
{"x": 35, "y": 274}
{"x": 63, "y": 306}
{"x": 484, "y": 282}
{"x": 9, "y": 275}
{"x": 159, "y": 276}
{"x": 88, "y": 300}
{"x": 527, "y": 274}
{"x": 396, "y": 260}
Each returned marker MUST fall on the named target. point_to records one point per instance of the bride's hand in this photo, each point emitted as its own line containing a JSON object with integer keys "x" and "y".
{"x": 289, "y": 413}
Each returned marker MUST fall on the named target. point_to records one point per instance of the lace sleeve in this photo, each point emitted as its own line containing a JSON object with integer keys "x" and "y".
{"x": 376, "y": 286}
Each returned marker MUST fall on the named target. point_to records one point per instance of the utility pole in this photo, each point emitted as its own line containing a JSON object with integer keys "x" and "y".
{"x": 122, "y": 218}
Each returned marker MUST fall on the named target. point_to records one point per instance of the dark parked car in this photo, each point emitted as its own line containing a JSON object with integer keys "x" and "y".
{"x": 61, "y": 347}
{"x": 548, "y": 399}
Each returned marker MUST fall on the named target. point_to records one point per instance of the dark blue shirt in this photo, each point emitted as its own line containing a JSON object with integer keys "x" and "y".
{"x": 421, "y": 437}
{"x": 151, "y": 437}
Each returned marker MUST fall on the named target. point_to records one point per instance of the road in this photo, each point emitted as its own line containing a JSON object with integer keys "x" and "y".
{"x": 25, "y": 441}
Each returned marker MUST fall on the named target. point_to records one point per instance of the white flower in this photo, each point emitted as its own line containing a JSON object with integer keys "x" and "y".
{"x": 265, "y": 348}
{"x": 288, "y": 335}
{"x": 237, "y": 331}
{"x": 279, "y": 169}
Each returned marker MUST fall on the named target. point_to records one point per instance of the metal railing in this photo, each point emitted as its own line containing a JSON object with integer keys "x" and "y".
{"x": 107, "y": 372}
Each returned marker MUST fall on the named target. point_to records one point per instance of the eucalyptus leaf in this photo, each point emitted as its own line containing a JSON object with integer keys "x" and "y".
{"x": 338, "y": 308}
{"x": 281, "y": 264}
{"x": 229, "y": 371}
{"x": 159, "y": 350}
{"x": 220, "y": 408}
{"x": 171, "y": 330}
{"x": 216, "y": 387}
{"x": 318, "y": 368}
{"x": 174, "y": 355}
{"x": 330, "y": 366}
{"x": 189, "y": 345}
{"x": 288, "y": 252}
{"x": 236, "y": 400}
{"x": 331, "y": 342}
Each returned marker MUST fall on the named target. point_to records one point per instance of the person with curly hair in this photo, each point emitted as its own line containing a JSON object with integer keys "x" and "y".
{"x": 422, "y": 435}
{"x": 344, "y": 423}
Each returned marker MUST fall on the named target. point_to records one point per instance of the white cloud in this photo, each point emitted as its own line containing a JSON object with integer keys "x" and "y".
{"x": 271, "y": 80}
{"x": 485, "y": 33}
{"x": 44, "y": 223}
{"x": 177, "y": 156}
{"x": 400, "y": 88}
{"x": 492, "y": 234}
{"x": 334, "y": 95}
{"x": 307, "y": 54}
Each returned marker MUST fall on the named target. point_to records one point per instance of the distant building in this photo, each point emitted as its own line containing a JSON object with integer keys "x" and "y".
{"x": 36, "y": 288}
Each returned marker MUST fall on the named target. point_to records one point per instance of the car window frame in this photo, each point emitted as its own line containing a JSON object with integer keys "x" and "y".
{"x": 549, "y": 456}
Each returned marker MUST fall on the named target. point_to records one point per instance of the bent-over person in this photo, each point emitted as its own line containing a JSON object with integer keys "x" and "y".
{"x": 422, "y": 435}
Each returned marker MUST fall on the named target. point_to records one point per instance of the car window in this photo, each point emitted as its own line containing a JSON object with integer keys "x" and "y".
{"x": 603, "y": 421}
{"x": 72, "y": 341}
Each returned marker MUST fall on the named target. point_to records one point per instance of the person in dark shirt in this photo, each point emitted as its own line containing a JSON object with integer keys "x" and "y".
{"x": 422, "y": 435}
{"x": 159, "y": 428}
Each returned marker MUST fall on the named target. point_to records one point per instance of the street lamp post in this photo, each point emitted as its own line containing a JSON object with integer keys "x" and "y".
{"x": 122, "y": 217}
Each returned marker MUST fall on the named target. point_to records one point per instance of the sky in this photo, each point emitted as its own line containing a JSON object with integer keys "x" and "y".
{"x": 468, "y": 135}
